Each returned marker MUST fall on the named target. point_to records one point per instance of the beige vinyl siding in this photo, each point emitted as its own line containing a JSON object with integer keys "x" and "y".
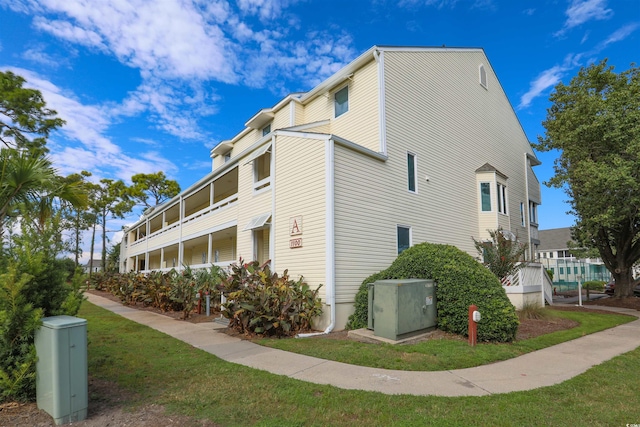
{"x": 226, "y": 249}
{"x": 365, "y": 220}
{"x": 299, "y": 114}
{"x": 281, "y": 119}
{"x": 534, "y": 186}
{"x": 325, "y": 128}
{"x": 203, "y": 223}
{"x": 249, "y": 206}
{"x": 360, "y": 123}
{"x": 454, "y": 126}
{"x": 300, "y": 191}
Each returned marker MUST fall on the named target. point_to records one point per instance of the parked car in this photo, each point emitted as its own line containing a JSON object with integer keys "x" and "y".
{"x": 610, "y": 287}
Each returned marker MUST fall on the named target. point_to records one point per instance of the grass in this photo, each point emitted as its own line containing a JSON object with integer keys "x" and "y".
{"x": 438, "y": 355}
{"x": 162, "y": 370}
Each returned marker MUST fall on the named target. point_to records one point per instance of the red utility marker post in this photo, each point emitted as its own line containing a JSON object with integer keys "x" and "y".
{"x": 473, "y": 326}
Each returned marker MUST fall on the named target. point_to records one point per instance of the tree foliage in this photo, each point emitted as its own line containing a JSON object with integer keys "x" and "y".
{"x": 24, "y": 115}
{"x": 152, "y": 189}
{"x": 594, "y": 122}
{"x": 112, "y": 200}
{"x": 502, "y": 255}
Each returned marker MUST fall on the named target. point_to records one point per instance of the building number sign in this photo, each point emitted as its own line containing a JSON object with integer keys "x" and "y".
{"x": 295, "y": 229}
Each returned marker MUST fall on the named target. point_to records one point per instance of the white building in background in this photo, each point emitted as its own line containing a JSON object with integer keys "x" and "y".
{"x": 555, "y": 254}
{"x": 401, "y": 146}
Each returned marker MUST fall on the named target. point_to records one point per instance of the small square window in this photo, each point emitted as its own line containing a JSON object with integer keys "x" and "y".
{"x": 404, "y": 238}
{"x": 227, "y": 157}
{"x": 341, "y": 101}
{"x": 266, "y": 130}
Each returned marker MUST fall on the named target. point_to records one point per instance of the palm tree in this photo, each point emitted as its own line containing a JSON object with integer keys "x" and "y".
{"x": 29, "y": 182}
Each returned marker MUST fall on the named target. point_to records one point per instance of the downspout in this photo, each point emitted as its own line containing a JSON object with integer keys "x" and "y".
{"x": 330, "y": 254}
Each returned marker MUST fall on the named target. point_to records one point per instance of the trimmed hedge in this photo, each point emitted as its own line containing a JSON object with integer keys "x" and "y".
{"x": 460, "y": 282}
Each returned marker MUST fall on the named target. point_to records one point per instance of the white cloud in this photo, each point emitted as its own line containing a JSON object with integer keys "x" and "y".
{"x": 181, "y": 47}
{"x": 581, "y": 11}
{"x": 88, "y": 125}
{"x": 265, "y": 9}
{"x": 540, "y": 84}
{"x": 38, "y": 55}
{"x": 618, "y": 35}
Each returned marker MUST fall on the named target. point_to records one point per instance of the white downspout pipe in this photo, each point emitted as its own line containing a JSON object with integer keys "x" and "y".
{"x": 330, "y": 254}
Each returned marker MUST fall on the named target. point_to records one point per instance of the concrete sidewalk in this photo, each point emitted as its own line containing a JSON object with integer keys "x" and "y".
{"x": 541, "y": 368}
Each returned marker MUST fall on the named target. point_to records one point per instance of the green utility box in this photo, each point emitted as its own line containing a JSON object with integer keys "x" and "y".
{"x": 61, "y": 370}
{"x": 401, "y": 308}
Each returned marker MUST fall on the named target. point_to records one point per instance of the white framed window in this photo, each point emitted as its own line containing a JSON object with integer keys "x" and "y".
{"x": 533, "y": 212}
{"x": 403, "y": 233}
{"x": 341, "y": 101}
{"x": 412, "y": 170}
{"x": 482, "y": 76}
{"x": 227, "y": 157}
{"x": 502, "y": 198}
{"x": 485, "y": 196}
{"x": 266, "y": 130}
{"x": 522, "y": 214}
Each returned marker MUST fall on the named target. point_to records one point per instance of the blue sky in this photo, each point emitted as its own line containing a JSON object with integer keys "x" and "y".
{"x": 154, "y": 85}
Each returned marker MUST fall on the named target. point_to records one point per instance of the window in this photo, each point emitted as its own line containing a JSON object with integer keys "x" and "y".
{"x": 533, "y": 212}
{"x": 522, "y": 214}
{"x": 227, "y": 157}
{"x": 502, "y": 198}
{"x": 485, "y": 196}
{"x": 561, "y": 270}
{"x": 575, "y": 270}
{"x": 482, "y": 76}
{"x": 341, "y": 101}
{"x": 404, "y": 238}
{"x": 411, "y": 172}
{"x": 266, "y": 130}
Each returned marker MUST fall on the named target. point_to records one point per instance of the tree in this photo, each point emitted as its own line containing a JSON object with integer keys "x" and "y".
{"x": 111, "y": 200}
{"x": 27, "y": 115}
{"x": 77, "y": 219}
{"x": 154, "y": 187}
{"x": 595, "y": 123}
{"x": 502, "y": 255}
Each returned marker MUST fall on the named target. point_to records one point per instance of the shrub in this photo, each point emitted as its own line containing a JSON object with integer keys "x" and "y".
{"x": 594, "y": 285}
{"x": 502, "y": 255}
{"x": 531, "y": 310}
{"x": 460, "y": 282}
{"x": 261, "y": 302}
{"x": 19, "y": 320}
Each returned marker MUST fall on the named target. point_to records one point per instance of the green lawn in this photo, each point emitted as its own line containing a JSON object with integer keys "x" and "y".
{"x": 438, "y": 355}
{"x": 160, "y": 369}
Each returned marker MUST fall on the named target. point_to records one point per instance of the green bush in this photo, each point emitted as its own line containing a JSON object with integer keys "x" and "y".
{"x": 460, "y": 282}
{"x": 169, "y": 291}
{"x": 594, "y": 285}
{"x": 261, "y": 302}
{"x": 19, "y": 320}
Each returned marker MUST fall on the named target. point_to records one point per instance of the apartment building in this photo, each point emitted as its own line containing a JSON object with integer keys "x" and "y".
{"x": 403, "y": 145}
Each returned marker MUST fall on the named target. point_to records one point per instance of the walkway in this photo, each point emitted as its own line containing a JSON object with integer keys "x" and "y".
{"x": 541, "y": 368}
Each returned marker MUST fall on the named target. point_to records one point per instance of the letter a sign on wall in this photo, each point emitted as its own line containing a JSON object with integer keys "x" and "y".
{"x": 295, "y": 229}
{"x": 295, "y": 225}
